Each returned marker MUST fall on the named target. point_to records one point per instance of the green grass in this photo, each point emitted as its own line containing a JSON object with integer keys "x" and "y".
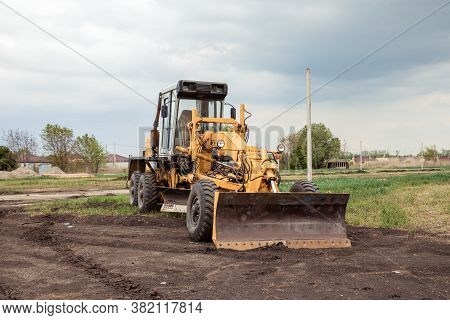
{"x": 392, "y": 217}
{"x": 320, "y": 172}
{"x": 413, "y": 201}
{"x": 93, "y": 205}
{"x": 325, "y": 171}
{"x": 116, "y": 205}
{"x": 34, "y": 184}
{"x": 410, "y": 201}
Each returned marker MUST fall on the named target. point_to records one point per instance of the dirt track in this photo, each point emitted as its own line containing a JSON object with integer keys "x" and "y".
{"x": 48, "y": 257}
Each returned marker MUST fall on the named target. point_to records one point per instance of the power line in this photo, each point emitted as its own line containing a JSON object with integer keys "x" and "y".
{"x": 364, "y": 58}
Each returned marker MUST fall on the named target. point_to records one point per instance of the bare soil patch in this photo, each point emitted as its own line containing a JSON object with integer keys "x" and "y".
{"x": 56, "y": 172}
{"x": 148, "y": 257}
{"x": 21, "y": 172}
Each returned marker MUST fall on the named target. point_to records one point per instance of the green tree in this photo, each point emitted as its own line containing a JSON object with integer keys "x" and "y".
{"x": 287, "y": 159}
{"x": 58, "y": 142}
{"x": 324, "y": 146}
{"x": 430, "y": 154}
{"x": 7, "y": 161}
{"x": 89, "y": 149}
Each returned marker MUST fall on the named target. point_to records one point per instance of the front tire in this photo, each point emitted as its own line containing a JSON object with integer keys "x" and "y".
{"x": 200, "y": 211}
{"x": 133, "y": 191}
{"x": 148, "y": 194}
{"x": 304, "y": 186}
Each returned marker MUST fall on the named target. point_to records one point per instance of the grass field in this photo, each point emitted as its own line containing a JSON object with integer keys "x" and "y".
{"x": 365, "y": 170}
{"x": 117, "y": 205}
{"x": 38, "y": 184}
{"x": 414, "y": 201}
{"x": 294, "y": 175}
{"x": 405, "y": 201}
{"x": 93, "y": 205}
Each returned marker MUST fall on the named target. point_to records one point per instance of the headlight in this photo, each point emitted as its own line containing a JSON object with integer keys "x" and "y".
{"x": 221, "y": 143}
{"x": 281, "y": 148}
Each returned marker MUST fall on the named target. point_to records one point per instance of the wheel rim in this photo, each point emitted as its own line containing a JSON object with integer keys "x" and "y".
{"x": 195, "y": 212}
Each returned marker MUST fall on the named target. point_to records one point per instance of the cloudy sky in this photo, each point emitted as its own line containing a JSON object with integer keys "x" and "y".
{"x": 394, "y": 100}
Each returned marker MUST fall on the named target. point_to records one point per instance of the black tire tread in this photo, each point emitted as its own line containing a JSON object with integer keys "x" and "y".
{"x": 203, "y": 232}
{"x": 151, "y": 193}
{"x": 134, "y": 183}
{"x": 304, "y": 186}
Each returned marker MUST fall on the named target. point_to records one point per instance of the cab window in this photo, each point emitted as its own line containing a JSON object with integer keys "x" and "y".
{"x": 182, "y": 137}
{"x": 210, "y": 109}
{"x": 167, "y": 123}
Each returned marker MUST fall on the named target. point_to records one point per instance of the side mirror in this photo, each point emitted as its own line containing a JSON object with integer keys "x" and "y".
{"x": 233, "y": 113}
{"x": 164, "y": 109}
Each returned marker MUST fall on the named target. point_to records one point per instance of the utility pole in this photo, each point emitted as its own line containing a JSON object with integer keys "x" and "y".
{"x": 422, "y": 159}
{"x": 308, "y": 125}
{"x": 360, "y": 155}
{"x": 436, "y": 153}
{"x": 114, "y": 156}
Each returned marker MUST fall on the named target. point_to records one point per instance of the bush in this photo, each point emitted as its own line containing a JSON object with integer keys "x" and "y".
{"x": 7, "y": 161}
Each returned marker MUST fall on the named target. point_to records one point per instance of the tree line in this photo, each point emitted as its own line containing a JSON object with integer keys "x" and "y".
{"x": 326, "y": 147}
{"x": 60, "y": 144}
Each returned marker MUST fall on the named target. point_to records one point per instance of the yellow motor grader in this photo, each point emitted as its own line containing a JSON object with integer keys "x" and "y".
{"x": 197, "y": 161}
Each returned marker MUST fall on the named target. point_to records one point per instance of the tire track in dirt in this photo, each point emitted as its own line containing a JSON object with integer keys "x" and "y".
{"x": 155, "y": 253}
{"x": 7, "y": 293}
{"x": 127, "y": 288}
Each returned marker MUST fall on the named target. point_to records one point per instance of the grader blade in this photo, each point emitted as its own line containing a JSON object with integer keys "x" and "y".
{"x": 248, "y": 220}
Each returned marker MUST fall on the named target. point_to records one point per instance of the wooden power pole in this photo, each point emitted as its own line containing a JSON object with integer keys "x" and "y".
{"x": 114, "y": 156}
{"x": 308, "y": 126}
{"x": 360, "y": 156}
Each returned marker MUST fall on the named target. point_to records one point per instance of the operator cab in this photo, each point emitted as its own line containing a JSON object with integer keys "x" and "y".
{"x": 176, "y": 104}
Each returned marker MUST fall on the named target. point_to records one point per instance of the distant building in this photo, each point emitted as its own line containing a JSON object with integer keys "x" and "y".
{"x": 36, "y": 163}
{"x": 338, "y": 164}
{"x": 118, "y": 158}
{"x": 115, "y": 162}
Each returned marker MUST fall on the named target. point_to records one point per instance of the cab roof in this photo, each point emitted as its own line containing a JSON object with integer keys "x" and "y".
{"x": 192, "y": 89}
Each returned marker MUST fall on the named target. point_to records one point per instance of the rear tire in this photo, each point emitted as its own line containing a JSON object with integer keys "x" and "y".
{"x": 133, "y": 191}
{"x": 304, "y": 186}
{"x": 200, "y": 211}
{"x": 148, "y": 194}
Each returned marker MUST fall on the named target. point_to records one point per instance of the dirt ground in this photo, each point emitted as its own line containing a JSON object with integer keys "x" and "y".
{"x": 144, "y": 257}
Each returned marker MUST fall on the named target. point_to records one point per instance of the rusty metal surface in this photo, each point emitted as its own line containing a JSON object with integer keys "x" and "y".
{"x": 293, "y": 244}
{"x": 272, "y": 217}
{"x": 175, "y": 200}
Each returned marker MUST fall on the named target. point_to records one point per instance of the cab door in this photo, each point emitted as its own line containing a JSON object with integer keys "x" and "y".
{"x": 167, "y": 124}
